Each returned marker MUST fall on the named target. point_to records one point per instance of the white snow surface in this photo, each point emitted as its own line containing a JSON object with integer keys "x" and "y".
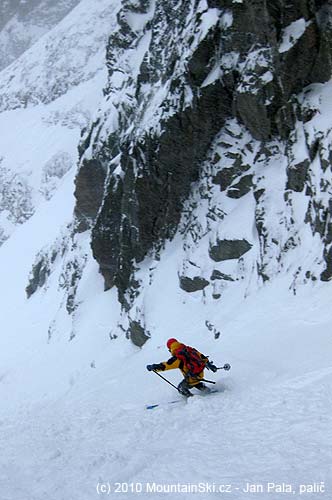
{"x": 74, "y": 412}
{"x": 71, "y": 53}
{"x": 73, "y": 416}
{"x": 292, "y": 33}
{"x": 48, "y": 96}
{"x": 25, "y": 24}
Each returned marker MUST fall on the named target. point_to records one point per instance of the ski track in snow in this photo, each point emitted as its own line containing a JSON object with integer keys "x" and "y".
{"x": 75, "y": 426}
{"x": 258, "y": 438}
{"x": 263, "y": 427}
{"x": 73, "y": 413}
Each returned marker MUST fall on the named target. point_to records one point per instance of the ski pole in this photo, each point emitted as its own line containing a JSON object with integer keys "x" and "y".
{"x": 226, "y": 367}
{"x": 170, "y": 383}
{"x": 208, "y": 381}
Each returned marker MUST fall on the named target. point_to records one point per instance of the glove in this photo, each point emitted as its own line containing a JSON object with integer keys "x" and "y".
{"x": 150, "y": 368}
{"x": 211, "y": 366}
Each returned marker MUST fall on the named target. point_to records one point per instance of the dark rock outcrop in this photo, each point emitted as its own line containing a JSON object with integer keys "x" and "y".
{"x": 89, "y": 191}
{"x": 326, "y": 275}
{"x": 297, "y": 176}
{"x": 38, "y": 276}
{"x": 255, "y": 74}
{"x": 201, "y": 62}
{"x": 296, "y": 64}
{"x": 217, "y": 275}
{"x": 226, "y": 176}
{"x": 229, "y": 249}
{"x": 240, "y": 188}
{"x": 193, "y": 284}
{"x": 137, "y": 334}
{"x": 140, "y": 211}
{"x": 273, "y": 76}
{"x": 253, "y": 112}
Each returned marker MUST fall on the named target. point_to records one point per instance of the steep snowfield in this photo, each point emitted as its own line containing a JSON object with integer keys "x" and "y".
{"x": 74, "y": 388}
{"x": 21, "y": 24}
{"x": 49, "y": 95}
{"x": 74, "y": 413}
{"x": 71, "y": 53}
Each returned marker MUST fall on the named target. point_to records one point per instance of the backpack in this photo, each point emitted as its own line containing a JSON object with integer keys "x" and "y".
{"x": 191, "y": 359}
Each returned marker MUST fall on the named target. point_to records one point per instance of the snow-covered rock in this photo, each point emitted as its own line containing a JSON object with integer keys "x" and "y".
{"x": 23, "y": 22}
{"x": 166, "y": 170}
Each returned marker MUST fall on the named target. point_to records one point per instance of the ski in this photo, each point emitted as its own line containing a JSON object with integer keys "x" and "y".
{"x": 156, "y": 405}
{"x": 151, "y": 407}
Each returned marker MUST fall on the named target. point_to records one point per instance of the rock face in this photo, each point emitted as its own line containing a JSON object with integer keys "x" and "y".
{"x": 217, "y": 275}
{"x": 150, "y": 204}
{"x": 137, "y": 334}
{"x": 229, "y": 249}
{"x": 241, "y": 188}
{"x": 193, "y": 284}
{"x": 89, "y": 193}
{"x": 297, "y": 176}
{"x": 226, "y": 176}
{"x": 41, "y": 271}
{"x": 169, "y": 100}
{"x": 327, "y": 273}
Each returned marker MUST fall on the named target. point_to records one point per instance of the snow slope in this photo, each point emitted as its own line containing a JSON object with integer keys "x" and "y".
{"x": 74, "y": 388}
{"x": 69, "y": 54}
{"x": 83, "y": 422}
{"x": 272, "y": 423}
{"x": 22, "y": 23}
{"x": 49, "y": 95}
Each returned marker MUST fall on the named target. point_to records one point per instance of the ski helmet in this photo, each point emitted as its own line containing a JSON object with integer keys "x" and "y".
{"x": 170, "y": 342}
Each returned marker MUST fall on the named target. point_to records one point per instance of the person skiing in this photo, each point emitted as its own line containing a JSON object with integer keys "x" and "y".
{"x": 191, "y": 363}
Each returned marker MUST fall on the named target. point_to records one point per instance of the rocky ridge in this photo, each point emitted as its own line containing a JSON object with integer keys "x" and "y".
{"x": 230, "y": 70}
{"x": 212, "y": 132}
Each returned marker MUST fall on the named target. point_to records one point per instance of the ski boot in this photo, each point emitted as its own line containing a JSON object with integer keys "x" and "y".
{"x": 203, "y": 388}
{"x": 183, "y": 389}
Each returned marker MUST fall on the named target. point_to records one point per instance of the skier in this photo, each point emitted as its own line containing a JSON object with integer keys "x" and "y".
{"x": 190, "y": 361}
